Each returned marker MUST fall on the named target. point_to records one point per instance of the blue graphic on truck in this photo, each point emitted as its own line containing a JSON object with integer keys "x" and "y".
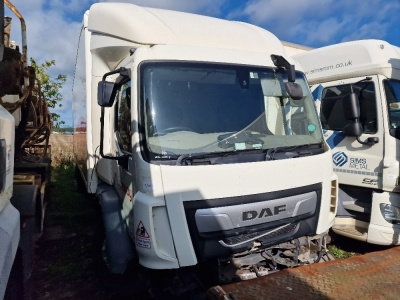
{"x": 339, "y": 158}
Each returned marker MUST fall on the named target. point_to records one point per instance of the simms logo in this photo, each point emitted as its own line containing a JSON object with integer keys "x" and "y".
{"x": 339, "y": 158}
{"x": 265, "y": 212}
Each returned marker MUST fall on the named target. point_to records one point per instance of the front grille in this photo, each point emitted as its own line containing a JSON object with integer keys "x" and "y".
{"x": 209, "y": 242}
{"x": 263, "y": 235}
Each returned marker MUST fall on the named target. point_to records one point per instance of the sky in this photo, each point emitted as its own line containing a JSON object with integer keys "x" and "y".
{"x": 53, "y": 26}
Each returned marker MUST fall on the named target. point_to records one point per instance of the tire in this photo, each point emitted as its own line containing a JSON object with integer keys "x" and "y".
{"x": 15, "y": 285}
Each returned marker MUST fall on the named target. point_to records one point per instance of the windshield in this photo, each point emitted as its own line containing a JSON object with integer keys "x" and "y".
{"x": 211, "y": 108}
{"x": 392, "y": 91}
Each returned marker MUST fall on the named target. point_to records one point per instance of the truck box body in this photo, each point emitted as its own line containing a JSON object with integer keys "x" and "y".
{"x": 9, "y": 216}
{"x": 368, "y": 172}
{"x": 210, "y": 160}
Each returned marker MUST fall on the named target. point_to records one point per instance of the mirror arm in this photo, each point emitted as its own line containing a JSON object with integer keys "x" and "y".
{"x": 369, "y": 142}
{"x": 123, "y": 71}
{"x": 281, "y": 62}
{"x": 292, "y": 88}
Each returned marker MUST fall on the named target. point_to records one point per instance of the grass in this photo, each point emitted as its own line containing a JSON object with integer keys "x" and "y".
{"x": 70, "y": 207}
{"x": 68, "y": 258}
{"x": 67, "y": 249}
{"x": 340, "y": 253}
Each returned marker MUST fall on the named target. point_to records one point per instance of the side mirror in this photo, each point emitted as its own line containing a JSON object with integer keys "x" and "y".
{"x": 105, "y": 93}
{"x": 351, "y": 111}
{"x": 353, "y": 129}
{"x": 294, "y": 90}
{"x": 106, "y": 90}
{"x": 351, "y": 107}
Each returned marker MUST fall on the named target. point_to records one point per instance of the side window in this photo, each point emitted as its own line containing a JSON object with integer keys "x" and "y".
{"x": 123, "y": 118}
{"x": 331, "y": 114}
{"x": 392, "y": 91}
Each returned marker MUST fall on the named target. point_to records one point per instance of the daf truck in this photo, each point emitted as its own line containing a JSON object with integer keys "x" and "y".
{"x": 201, "y": 142}
{"x": 356, "y": 86}
{"x": 25, "y": 126}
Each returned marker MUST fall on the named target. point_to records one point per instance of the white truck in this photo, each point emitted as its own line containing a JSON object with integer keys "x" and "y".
{"x": 356, "y": 86}
{"x": 25, "y": 126}
{"x": 201, "y": 141}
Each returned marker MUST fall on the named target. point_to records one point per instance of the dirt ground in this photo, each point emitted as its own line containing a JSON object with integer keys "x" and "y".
{"x": 68, "y": 256}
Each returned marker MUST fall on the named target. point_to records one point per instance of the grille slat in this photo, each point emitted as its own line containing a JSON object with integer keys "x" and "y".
{"x": 248, "y": 237}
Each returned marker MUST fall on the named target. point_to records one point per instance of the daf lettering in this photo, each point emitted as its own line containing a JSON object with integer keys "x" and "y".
{"x": 263, "y": 213}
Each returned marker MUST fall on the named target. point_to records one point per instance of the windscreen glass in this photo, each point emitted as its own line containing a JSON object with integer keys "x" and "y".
{"x": 392, "y": 91}
{"x": 210, "y": 108}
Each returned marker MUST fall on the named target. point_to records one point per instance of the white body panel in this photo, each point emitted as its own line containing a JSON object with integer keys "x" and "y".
{"x": 349, "y": 60}
{"x": 372, "y": 171}
{"x": 7, "y": 133}
{"x": 167, "y": 187}
{"x": 154, "y": 196}
{"x": 9, "y": 216}
{"x": 176, "y": 28}
{"x": 293, "y": 49}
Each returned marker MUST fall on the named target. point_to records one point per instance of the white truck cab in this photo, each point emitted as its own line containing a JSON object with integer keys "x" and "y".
{"x": 356, "y": 86}
{"x": 201, "y": 140}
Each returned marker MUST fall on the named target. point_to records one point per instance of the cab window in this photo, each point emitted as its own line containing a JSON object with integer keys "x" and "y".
{"x": 392, "y": 91}
{"x": 123, "y": 118}
{"x": 331, "y": 114}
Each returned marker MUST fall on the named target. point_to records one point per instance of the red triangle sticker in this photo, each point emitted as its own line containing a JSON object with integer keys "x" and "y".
{"x": 141, "y": 231}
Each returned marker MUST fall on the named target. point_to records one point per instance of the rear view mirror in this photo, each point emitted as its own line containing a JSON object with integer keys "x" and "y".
{"x": 353, "y": 129}
{"x": 351, "y": 111}
{"x": 294, "y": 90}
{"x": 351, "y": 106}
{"x": 105, "y": 93}
{"x": 106, "y": 90}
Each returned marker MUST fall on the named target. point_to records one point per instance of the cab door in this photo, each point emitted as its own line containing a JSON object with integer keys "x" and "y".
{"x": 391, "y": 91}
{"x": 356, "y": 164}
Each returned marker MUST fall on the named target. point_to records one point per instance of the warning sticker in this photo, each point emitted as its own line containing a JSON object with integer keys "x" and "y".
{"x": 142, "y": 237}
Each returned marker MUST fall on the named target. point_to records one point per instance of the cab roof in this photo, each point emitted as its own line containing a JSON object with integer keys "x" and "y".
{"x": 350, "y": 59}
{"x": 152, "y": 26}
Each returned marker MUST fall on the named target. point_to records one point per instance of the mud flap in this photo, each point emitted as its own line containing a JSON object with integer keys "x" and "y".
{"x": 119, "y": 248}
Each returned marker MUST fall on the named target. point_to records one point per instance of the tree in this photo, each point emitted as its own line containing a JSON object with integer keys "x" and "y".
{"x": 50, "y": 87}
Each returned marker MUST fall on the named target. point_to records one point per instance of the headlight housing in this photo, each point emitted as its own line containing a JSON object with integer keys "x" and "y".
{"x": 390, "y": 213}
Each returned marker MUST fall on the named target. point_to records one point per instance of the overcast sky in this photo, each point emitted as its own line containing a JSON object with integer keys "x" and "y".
{"x": 53, "y": 26}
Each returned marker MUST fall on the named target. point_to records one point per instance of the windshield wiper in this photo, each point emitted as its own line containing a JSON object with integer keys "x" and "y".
{"x": 223, "y": 157}
{"x": 200, "y": 158}
{"x": 293, "y": 151}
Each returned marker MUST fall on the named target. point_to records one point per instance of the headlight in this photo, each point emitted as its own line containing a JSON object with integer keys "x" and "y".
{"x": 390, "y": 213}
